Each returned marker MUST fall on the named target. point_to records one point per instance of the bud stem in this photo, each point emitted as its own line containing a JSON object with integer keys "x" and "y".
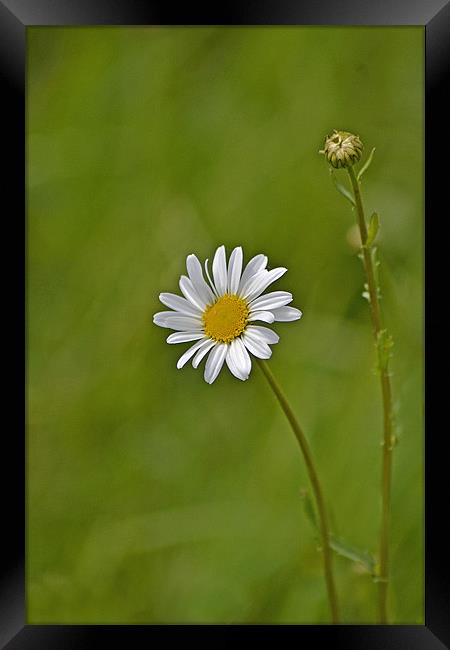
{"x": 386, "y": 392}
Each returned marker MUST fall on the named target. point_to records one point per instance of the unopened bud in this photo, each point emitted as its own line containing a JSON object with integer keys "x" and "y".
{"x": 342, "y": 149}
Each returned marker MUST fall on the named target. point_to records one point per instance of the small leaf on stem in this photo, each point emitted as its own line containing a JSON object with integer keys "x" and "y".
{"x": 309, "y": 508}
{"x": 341, "y": 189}
{"x": 355, "y": 555}
{"x": 337, "y": 544}
{"x": 366, "y": 165}
{"x": 372, "y": 231}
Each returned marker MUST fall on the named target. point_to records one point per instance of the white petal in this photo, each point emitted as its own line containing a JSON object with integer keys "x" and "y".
{"x": 178, "y": 321}
{"x": 220, "y": 271}
{"x": 230, "y": 363}
{"x": 271, "y": 301}
{"x": 260, "y": 284}
{"x": 240, "y": 360}
{"x": 251, "y": 282}
{"x": 269, "y": 336}
{"x": 265, "y": 316}
{"x": 234, "y": 269}
{"x": 201, "y": 353}
{"x": 256, "y": 346}
{"x": 179, "y": 304}
{"x": 286, "y": 314}
{"x": 256, "y": 264}
{"x": 215, "y": 361}
{"x": 195, "y": 272}
{"x": 187, "y": 289}
{"x": 190, "y": 352}
{"x": 183, "y": 337}
{"x": 209, "y": 278}
{"x": 160, "y": 318}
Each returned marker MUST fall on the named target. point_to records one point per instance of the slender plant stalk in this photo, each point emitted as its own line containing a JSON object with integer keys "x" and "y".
{"x": 317, "y": 489}
{"x": 388, "y": 437}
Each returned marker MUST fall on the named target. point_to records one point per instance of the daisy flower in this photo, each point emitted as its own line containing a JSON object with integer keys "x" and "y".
{"x": 219, "y": 312}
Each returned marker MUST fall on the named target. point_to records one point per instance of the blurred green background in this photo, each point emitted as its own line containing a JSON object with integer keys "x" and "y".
{"x": 152, "y": 496}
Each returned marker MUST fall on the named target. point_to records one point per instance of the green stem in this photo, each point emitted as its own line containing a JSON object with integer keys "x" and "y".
{"x": 314, "y": 478}
{"x": 387, "y": 402}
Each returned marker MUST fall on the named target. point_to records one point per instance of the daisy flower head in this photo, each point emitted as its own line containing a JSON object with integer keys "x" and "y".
{"x": 220, "y": 313}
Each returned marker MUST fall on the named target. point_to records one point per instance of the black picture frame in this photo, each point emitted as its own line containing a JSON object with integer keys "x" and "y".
{"x": 15, "y": 17}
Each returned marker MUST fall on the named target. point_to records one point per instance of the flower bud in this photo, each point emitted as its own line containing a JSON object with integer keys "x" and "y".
{"x": 342, "y": 149}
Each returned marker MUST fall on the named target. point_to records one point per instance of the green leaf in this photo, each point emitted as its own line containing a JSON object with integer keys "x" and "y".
{"x": 341, "y": 189}
{"x": 337, "y": 544}
{"x": 309, "y": 508}
{"x": 354, "y": 554}
{"x": 374, "y": 225}
{"x": 366, "y": 165}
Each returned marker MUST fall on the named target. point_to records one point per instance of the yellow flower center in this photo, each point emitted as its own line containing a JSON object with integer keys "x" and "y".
{"x": 226, "y": 319}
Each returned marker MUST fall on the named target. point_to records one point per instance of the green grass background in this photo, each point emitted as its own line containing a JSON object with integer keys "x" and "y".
{"x": 152, "y": 496}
